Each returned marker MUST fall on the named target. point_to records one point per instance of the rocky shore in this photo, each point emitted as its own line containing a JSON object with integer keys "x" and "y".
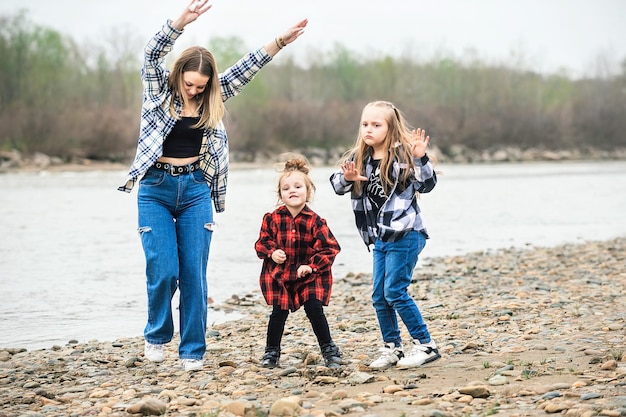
{"x": 522, "y": 333}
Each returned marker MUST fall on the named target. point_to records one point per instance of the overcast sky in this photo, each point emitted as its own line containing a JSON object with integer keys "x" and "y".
{"x": 548, "y": 35}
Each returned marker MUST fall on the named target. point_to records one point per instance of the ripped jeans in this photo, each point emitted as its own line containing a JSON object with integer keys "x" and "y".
{"x": 175, "y": 226}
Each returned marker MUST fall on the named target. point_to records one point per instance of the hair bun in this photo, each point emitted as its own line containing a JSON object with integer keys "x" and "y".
{"x": 297, "y": 164}
{"x": 293, "y": 162}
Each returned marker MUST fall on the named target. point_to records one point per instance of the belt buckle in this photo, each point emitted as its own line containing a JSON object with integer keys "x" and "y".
{"x": 173, "y": 171}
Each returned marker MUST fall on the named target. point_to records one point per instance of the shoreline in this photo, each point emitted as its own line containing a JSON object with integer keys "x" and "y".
{"x": 87, "y": 165}
{"x": 522, "y": 332}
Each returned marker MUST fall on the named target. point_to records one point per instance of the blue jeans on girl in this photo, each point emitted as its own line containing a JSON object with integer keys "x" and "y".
{"x": 175, "y": 225}
{"x": 393, "y": 269}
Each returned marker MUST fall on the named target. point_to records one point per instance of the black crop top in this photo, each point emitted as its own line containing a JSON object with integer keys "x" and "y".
{"x": 183, "y": 141}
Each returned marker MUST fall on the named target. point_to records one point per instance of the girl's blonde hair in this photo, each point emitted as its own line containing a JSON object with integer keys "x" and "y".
{"x": 398, "y": 145}
{"x": 293, "y": 163}
{"x": 197, "y": 58}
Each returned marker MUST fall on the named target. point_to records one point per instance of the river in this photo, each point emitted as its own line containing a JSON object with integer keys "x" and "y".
{"x": 71, "y": 264}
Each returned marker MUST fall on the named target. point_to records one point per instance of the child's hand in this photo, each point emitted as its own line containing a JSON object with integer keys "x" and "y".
{"x": 420, "y": 142}
{"x": 303, "y": 270}
{"x": 350, "y": 173}
{"x": 279, "y": 256}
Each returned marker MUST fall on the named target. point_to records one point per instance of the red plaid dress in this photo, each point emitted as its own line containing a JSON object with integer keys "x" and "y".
{"x": 306, "y": 240}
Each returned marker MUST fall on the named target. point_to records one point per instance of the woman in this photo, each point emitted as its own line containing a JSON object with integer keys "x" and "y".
{"x": 182, "y": 166}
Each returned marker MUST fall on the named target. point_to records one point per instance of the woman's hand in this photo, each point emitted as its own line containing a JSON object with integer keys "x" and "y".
{"x": 286, "y": 38}
{"x": 420, "y": 142}
{"x": 191, "y": 13}
{"x": 350, "y": 173}
{"x": 294, "y": 32}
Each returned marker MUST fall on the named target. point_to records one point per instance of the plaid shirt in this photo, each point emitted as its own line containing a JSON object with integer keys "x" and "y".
{"x": 157, "y": 122}
{"x": 400, "y": 213}
{"x": 306, "y": 240}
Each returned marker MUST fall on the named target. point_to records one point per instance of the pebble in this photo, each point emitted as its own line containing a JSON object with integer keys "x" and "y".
{"x": 521, "y": 332}
{"x": 498, "y": 380}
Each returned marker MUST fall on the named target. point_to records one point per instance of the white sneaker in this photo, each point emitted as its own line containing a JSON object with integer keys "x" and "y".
{"x": 153, "y": 353}
{"x": 419, "y": 355}
{"x": 390, "y": 354}
{"x": 192, "y": 365}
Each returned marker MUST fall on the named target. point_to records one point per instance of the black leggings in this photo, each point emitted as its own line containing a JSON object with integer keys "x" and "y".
{"x": 314, "y": 311}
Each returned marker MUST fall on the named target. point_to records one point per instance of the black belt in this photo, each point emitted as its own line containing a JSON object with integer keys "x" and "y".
{"x": 177, "y": 170}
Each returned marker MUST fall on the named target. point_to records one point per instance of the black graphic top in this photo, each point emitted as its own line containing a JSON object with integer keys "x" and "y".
{"x": 374, "y": 188}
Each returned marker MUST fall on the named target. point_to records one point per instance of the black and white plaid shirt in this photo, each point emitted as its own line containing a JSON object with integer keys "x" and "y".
{"x": 400, "y": 213}
{"x": 157, "y": 122}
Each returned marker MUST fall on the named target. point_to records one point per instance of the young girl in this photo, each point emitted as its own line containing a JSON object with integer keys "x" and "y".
{"x": 384, "y": 172}
{"x": 181, "y": 165}
{"x": 298, "y": 250}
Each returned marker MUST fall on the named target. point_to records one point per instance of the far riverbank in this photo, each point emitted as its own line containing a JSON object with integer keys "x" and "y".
{"x": 15, "y": 161}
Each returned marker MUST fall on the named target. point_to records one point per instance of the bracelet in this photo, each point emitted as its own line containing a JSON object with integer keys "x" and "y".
{"x": 282, "y": 41}
{"x": 278, "y": 43}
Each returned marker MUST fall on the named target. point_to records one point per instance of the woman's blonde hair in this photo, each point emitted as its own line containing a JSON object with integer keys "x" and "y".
{"x": 398, "y": 145}
{"x": 211, "y": 106}
{"x": 292, "y": 163}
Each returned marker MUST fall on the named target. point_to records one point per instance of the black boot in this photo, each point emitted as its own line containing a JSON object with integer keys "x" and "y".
{"x": 331, "y": 354}
{"x": 271, "y": 357}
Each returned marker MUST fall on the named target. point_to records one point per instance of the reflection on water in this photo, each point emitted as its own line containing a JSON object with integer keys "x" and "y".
{"x": 71, "y": 264}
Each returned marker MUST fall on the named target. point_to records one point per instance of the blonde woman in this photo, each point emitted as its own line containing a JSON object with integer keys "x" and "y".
{"x": 181, "y": 165}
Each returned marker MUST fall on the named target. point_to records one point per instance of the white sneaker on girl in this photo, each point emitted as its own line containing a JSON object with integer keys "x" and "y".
{"x": 420, "y": 354}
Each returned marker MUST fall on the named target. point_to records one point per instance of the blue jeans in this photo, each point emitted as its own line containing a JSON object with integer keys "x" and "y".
{"x": 393, "y": 269}
{"x": 175, "y": 225}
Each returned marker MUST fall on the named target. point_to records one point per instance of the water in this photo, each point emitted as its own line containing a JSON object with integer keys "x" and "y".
{"x": 71, "y": 264}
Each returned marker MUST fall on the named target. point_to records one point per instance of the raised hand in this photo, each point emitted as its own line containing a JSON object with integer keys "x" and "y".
{"x": 294, "y": 32}
{"x": 191, "y": 13}
{"x": 199, "y": 6}
{"x": 350, "y": 173}
{"x": 420, "y": 142}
